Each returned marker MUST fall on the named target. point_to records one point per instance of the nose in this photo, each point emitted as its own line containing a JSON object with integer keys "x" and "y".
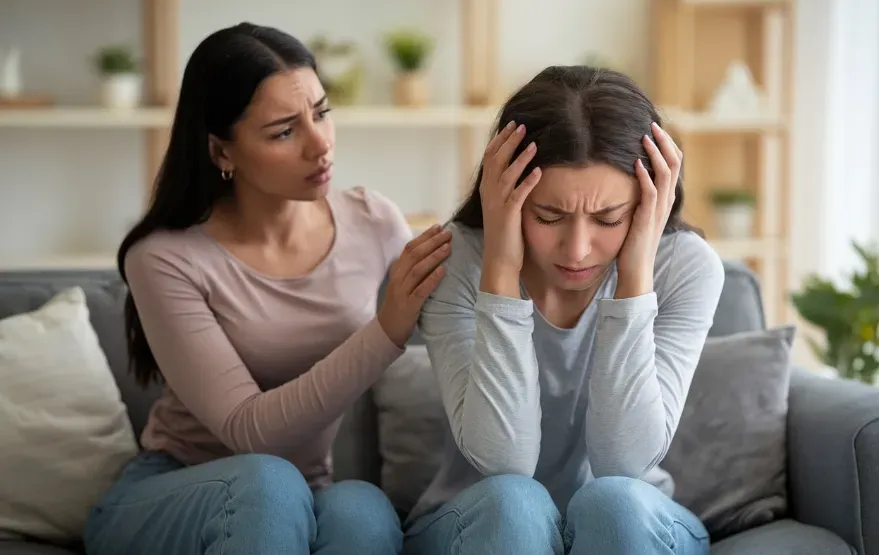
{"x": 578, "y": 243}
{"x": 317, "y": 143}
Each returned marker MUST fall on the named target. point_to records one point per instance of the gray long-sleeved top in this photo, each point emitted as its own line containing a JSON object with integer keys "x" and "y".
{"x": 602, "y": 398}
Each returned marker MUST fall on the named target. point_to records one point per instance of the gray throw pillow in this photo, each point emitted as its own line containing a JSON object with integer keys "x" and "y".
{"x": 412, "y": 423}
{"x": 728, "y": 455}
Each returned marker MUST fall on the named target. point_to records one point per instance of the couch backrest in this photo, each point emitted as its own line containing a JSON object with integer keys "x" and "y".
{"x": 356, "y": 450}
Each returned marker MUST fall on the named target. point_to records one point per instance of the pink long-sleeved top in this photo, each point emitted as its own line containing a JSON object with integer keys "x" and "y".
{"x": 257, "y": 364}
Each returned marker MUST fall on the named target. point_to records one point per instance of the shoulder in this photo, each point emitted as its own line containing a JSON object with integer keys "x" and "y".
{"x": 164, "y": 254}
{"x": 372, "y": 213}
{"x": 464, "y": 265}
{"x": 687, "y": 263}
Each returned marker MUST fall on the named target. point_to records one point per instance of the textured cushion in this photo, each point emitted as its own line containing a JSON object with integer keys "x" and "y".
{"x": 29, "y": 548}
{"x": 728, "y": 455}
{"x": 105, "y": 294}
{"x": 411, "y": 426}
{"x": 784, "y": 537}
{"x": 64, "y": 431}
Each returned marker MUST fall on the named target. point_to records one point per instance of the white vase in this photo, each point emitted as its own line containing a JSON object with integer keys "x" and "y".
{"x": 10, "y": 75}
{"x": 734, "y": 221}
{"x": 121, "y": 91}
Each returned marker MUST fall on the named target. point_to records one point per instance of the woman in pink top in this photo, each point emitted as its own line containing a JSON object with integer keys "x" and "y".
{"x": 253, "y": 287}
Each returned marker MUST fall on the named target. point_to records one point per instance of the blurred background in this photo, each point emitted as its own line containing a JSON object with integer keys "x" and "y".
{"x": 774, "y": 102}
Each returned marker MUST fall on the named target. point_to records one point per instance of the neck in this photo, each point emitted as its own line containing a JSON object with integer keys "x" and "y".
{"x": 262, "y": 219}
{"x": 561, "y": 307}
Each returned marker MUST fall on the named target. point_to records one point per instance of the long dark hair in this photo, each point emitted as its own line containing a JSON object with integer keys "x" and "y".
{"x": 577, "y": 116}
{"x": 219, "y": 81}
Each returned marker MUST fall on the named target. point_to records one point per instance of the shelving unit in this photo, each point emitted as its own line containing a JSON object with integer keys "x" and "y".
{"x": 695, "y": 42}
{"x": 161, "y": 31}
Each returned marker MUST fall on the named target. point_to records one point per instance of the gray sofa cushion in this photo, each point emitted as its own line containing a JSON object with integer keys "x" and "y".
{"x": 784, "y": 537}
{"x": 728, "y": 455}
{"x": 29, "y": 548}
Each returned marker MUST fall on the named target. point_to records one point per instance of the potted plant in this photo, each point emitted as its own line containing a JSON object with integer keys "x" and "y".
{"x": 734, "y": 212}
{"x": 120, "y": 77}
{"x": 848, "y": 317}
{"x": 409, "y": 51}
{"x": 339, "y": 69}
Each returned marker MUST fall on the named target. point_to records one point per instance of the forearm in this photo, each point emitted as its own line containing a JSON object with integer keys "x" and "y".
{"x": 279, "y": 419}
{"x": 498, "y": 428}
{"x": 626, "y": 423}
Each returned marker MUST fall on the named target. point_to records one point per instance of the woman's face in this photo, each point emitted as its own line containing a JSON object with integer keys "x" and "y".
{"x": 283, "y": 143}
{"x": 575, "y": 222}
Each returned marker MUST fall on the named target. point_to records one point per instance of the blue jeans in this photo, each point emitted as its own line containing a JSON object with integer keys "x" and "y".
{"x": 246, "y": 504}
{"x": 514, "y": 515}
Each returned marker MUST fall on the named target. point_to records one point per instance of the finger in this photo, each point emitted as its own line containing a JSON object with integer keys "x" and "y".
{"x": 429, "y": 284}
{"x": 513, "y": 172}
{"x": 648, "y": 198}
{"x": 667, "y": 147}
{"x": 425, "y": 266}
{"x": 405, "y": 262}
{"x": 521, "y": 193}
{"x": 499, "y": 139}
{"x": 501, "y": 159}
{"x": 425, "y": 248}
{"x": 662, "y": 173}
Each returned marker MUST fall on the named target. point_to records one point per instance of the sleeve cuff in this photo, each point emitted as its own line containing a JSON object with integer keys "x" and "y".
{"x": 634, "y": 306}
{"x": 383, "y": 348}
{"x": 503, "y": 306}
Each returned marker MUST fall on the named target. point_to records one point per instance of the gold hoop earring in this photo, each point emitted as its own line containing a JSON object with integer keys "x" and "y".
{"x": 226, "y": 175}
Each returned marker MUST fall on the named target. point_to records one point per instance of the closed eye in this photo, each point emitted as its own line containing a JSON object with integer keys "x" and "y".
{"x": 604, "y": 223}
{"x": 546, "y": 221}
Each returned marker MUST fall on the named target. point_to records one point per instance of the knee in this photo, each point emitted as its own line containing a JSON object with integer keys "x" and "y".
{"x": 269, "y": 484}
{"x": 360, "y": 512}
{"x": 610, "y": 503}
{"x": 514, "y": 499}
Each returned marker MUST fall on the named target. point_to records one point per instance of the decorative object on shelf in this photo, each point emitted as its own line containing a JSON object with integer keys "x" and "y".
{"x": 339, "y": 68}
{"x": 10, "y": 74}
{"x": 120, "y": 77}
{"x": 734, "y": 212}
{"x": 12, "y": 94}
{"x": 409, "y": 49}
{"x": 847, "y": 316}
{"x": 738, "y": 96}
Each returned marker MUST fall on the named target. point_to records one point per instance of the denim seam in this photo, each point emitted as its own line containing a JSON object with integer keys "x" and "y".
{"x": 699, "y": 537}
{"x": 225, "y": 517}
{"x": 117, "y": 505}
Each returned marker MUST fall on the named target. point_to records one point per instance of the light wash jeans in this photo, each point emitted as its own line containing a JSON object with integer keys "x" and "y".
{"x": 515, "y": 515}
{"x": 241, "y": 505}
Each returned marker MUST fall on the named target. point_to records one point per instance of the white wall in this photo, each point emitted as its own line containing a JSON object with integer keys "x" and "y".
{"x": 78, "y": 190}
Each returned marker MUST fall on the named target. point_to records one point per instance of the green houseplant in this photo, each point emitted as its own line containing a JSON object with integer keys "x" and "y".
{"x": 339, "y": 68}
{"x": 120, "y": 76}
{"x": 734, "y": 212}
{"x": 409, "y": 51}
{"x": 848, "y": 317}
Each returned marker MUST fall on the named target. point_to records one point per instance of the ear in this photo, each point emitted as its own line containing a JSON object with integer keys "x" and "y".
{"x": 219, "y": 152}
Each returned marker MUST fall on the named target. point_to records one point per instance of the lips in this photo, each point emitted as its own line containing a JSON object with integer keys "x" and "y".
{"x": 578, "y": 273}
{"x": 321, "y": 176}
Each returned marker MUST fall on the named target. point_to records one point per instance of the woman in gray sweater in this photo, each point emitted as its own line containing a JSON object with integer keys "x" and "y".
{"x": 566, "y": 331}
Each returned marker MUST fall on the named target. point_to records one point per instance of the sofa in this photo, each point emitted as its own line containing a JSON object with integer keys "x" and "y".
{"x": 830, "y": 446}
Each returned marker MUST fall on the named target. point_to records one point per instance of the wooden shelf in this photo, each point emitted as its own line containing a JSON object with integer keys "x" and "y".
{"x": 736, "y": 3}
{"x": 688, "y": 122}
{"x": 146, "y": 118}
{"x": 745, "y": 249}
{"x": 85, "y": 117}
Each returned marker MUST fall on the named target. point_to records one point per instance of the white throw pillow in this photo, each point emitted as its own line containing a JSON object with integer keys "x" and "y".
{"x": 64, "y": 431}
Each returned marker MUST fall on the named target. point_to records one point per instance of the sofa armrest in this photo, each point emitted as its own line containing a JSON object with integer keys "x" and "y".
{"x": 832, "y": 457}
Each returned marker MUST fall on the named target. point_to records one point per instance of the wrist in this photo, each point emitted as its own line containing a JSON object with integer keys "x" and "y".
{"x": 500, "y": 279}
{"x": 628, "y": 289}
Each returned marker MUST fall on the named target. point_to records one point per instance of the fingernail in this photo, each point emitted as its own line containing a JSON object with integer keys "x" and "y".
{"x": 639, "y": 163}
{"x": 510, "y": 124}
{"x": 521, "y": 129}
{"x": 446, "y": 247}
{"x": 531, "y": 147}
